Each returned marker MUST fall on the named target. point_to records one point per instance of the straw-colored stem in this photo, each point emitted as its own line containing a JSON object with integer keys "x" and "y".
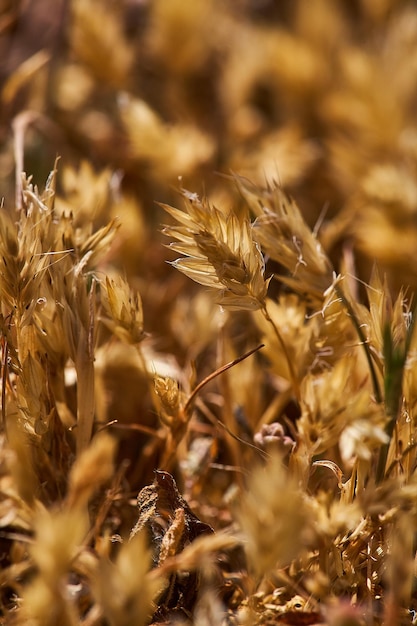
{"x": 85, "y": 396}
{"x": 364, "y": 343}
{"x": 293, "y": 377}
{"x": 84, "y": 366}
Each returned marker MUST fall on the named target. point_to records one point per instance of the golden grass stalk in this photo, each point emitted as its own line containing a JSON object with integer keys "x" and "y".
{"x": 220, "y": 252}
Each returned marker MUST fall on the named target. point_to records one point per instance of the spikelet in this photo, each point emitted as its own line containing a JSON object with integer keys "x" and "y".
{"x": 93, "y": 468}
{"x": 168, "y": 393}
{"x": 340, "y": 327}
{"x": 283, "y": 234}
{"x": 289, "y": 314}
{"x": 123, "y": 310}
{"x": 334, "y": 400}
{"x": 273, "y": 518}
{"x": 179, "y": 36}
{"x": 170, "y": 150}
{"x": 124, "y": 589}
{"x": 219, "y": 252}
{"x": 58, "y": 537}
{"x": 92, "y": 41}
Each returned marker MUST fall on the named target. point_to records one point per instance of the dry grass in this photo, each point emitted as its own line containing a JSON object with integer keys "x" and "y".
{"x": 241, "y": 450}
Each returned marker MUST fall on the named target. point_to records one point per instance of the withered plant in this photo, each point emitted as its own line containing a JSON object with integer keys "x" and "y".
{"x": 238, "y": 448}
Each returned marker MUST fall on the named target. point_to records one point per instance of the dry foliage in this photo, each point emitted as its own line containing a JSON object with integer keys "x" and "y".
{"x": 242, "y": 450}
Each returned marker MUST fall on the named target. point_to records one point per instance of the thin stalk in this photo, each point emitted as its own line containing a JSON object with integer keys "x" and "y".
{"x": 219, "y": 371}
{"x": 293, "y": 377}
{"x": 179, "y": 429}
{"x": 215, "y": 421}
{"x": 375, "y": 384}
{"x": 395, "y": 360}
{"x": 227, "y": 414}
{"x": 85, "y": 394}
{"x": 393, "y": 382}
{"x": 84, "y": 365}
{"x": 4, "y": 383}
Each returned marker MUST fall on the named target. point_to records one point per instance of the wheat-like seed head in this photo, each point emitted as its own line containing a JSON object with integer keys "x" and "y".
{"x": 336, "y": 402}
{"x": 273, "y": 517}
{"x": 219, "y": 252}
{"x": 284, "y": 235}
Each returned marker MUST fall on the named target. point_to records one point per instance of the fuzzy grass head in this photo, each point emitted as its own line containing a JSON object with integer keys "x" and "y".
{"x": 219, "y": 252}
